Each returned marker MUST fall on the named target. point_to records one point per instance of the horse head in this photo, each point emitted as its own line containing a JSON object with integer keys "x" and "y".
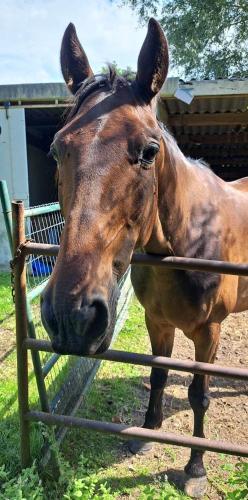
{"x": 106, "y": 152}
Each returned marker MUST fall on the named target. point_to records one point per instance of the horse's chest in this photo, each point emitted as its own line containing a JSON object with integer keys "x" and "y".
{"x": 180, "y": 298}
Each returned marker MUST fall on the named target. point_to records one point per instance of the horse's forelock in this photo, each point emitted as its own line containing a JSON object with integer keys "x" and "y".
{"x": 110, "y": 81}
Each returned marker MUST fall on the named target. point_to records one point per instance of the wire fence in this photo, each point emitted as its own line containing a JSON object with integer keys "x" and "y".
{"x": 65, "y": 377}
{"x": 43, "y": 228}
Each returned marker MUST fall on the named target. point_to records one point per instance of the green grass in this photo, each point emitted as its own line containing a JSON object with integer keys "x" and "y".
{"x": 6, "y": 303}
{"x": 93, "y": 465}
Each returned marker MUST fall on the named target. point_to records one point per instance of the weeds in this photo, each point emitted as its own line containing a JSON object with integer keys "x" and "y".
{"x": 238, "y": 480}
{"x": 26, "y": 486}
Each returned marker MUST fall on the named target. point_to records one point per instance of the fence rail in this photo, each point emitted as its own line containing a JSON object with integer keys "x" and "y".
{"x": 153, "y": 361}
{"x": 184, "y": 263}
{"x": 126, "y": 431}
{"x": 23, "y": 344}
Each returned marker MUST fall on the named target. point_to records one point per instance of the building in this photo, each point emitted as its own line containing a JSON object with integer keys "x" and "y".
{"x": 209, "y": 119}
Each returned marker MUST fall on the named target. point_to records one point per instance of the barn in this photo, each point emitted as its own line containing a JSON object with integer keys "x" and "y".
{"x": 209, "y": 120}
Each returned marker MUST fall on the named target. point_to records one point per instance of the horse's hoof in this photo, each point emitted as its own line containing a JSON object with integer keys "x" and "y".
{"x": 138, "y": 447}
{"x": 195, "y": 487}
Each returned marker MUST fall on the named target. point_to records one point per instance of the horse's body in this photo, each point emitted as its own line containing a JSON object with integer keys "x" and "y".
{"x": 199, "y": 215}
{"x": 124, "y": 184}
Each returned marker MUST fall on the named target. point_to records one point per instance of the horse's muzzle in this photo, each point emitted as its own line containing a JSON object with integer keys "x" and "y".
{"x": 81, "y": 330}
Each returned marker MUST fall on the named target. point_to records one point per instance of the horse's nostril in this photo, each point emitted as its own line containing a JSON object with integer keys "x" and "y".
{"x": 92, "y": 317}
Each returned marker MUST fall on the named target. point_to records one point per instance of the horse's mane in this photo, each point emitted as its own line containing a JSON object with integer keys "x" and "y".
{"x": 109, "y": 81}
{"x": 175, "y": 152}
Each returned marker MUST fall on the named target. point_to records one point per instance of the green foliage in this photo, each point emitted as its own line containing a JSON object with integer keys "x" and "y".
{"x": 127, "y": 73}
{"x": 167, "y": 492}
{"x": 238, "y": 480}
{"x": 26, "y": 486}
{"x": 85, "y": 485}
{"x": 207, "y": 39}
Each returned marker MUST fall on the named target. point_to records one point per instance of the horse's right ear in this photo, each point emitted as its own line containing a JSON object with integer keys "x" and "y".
{"x": 74, "y": 62}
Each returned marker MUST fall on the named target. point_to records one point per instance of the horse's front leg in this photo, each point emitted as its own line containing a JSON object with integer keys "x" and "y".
{"x": 206, "y": 342}
{"x": 162, "y": 339}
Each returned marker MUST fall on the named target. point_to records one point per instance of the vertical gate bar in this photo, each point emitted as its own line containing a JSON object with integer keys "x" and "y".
{"x": 21, "y": 329}
{"x": 6, "y": 206}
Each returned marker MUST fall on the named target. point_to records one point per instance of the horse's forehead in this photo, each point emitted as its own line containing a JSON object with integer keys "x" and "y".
{"x": 111, "y": 112}
{"x": 126, "y": 121}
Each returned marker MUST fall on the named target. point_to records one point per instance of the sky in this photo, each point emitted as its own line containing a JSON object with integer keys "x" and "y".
{"x": 31, "y": 33}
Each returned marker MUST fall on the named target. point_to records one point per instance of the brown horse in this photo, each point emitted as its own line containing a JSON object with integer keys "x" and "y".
{"x": 124, "y": 184}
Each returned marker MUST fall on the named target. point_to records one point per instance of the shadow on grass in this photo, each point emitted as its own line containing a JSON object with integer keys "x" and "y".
{"x": 175, "y": 477}
{"x": 7, "y": 353}
{"x": 7, "y": 316}
{"x": 10, "y": 401}
{"x": 10, "y": 441}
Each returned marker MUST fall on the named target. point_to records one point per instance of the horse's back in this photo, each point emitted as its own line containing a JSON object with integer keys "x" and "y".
{"x": 240, "y": 184}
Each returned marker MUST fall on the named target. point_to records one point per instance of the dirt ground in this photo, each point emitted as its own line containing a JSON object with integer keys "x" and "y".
{"x": 227, "y": 417}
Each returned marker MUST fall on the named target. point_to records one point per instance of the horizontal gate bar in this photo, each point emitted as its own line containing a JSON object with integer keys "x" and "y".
{"x": 139, "y": 433}
{"x": 151, "y": 360}
{"x": 41, "y": 210}
{"x": 203, "y": 265}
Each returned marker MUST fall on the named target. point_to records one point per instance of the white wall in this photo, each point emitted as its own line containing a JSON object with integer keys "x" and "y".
{"x": 13, "y": 165}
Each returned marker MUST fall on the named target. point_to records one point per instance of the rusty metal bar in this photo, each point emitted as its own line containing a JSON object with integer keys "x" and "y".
{"x": 21, "y": 327}
{"x": 41, "y": 249}
{"x": 155, "y": 361}
{"x": 139, "y": 433}
{"x": 202, "y": 265}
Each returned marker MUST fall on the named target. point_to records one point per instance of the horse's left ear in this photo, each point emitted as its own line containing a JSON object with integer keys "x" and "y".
{"x": 153, "y": 61}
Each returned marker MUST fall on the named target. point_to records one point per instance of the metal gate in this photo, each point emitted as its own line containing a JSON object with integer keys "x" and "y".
{"x": 61, "y": 380}
{"x": 22, "y": 249}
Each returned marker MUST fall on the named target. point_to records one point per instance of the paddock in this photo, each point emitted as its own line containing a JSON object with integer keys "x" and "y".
{"x": 23, "y": 248}
{"x": 225, "y": 422}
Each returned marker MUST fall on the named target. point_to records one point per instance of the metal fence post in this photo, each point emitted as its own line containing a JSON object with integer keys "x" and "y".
{"x": 21, "y": 328}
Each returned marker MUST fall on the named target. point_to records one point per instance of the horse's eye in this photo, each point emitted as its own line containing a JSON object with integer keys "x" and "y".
{"x": 148, "y": 154}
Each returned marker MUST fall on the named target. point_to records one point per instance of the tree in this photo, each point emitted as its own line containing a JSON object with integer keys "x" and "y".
{"x": 127, "y": 73}
{"x": 207, "y": 39}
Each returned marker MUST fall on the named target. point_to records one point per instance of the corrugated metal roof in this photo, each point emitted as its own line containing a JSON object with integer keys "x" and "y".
{"x": 205, "y": 87}
{"x": 206, "y": 99}
{"x": 58, "y": 91}
{"x": 225, "y": 145}
{"x": 220, "y": 104}
{"x": 34, "y": 92}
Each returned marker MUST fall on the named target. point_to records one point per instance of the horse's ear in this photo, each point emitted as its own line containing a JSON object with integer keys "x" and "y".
{"x": 74, "y": 63}
{"x": 153, "y": 61}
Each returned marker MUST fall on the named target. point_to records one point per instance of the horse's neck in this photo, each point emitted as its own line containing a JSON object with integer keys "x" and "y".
{"x": 177, "y": 183}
